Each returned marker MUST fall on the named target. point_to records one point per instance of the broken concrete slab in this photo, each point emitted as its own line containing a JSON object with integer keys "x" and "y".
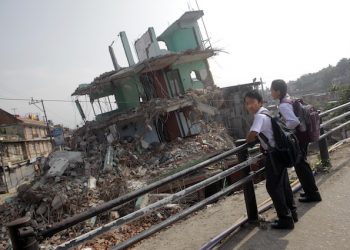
{"x": 92, "y": 182}
{"x": 145, "y": 144}
{"x": 61, "y": 160}
{"x": 41, "y": 210}
{"x": 57, "y": 167}
{"x": 142, "y": 202}
{"x": 58, "y": 201}
{"x": 110, "y": 138}
{"x": 71, "y": 156}
{"x": 206, "y": 108}
{"x": 109, "y": 159}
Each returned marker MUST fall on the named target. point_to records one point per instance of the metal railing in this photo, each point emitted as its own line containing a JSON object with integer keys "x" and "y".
{"x": 323, "y": 147}
{"x": 23, "y": 234}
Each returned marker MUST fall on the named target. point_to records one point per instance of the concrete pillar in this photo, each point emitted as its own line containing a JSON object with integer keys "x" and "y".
{"x": 114, "y": 59}
{"x": 127, "y": 48}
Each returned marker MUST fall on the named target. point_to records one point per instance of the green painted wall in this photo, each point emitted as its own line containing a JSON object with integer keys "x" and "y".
{"x": 127, "y": 94}
{"x": 185, "y": 74}
{"x": 182, "y": 40}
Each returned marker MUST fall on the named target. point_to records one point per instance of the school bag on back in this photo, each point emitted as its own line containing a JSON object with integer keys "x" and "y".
{"x": 309, "y": 128}
{"x": 286, "y": 142}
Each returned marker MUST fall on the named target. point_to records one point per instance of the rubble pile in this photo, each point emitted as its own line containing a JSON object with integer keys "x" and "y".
{"x": 113, "y": 237}
{"x": 136, "y": 160}
{"x": 50, "y": 200}
{"x": 104, "y": 168}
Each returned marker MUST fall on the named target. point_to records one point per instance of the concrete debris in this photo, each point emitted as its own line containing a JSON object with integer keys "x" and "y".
{"x": 110, "y": 138}
{"x": 60, "y": 160}
{"x": 57, "y": 167}
{"x": 108, "y": 164}
{"x": 41, "y": 209}
{"x": 58, "y": 201}
{"x": 142, "y": 202}
{"x": 92, "y": 182}
{"x": 144, "y": 144}
{"x": 109, "y": 159}
{"x": 71, "y": 156}
{"x": 92, "y": 221}
{"x": 114, "y": 215}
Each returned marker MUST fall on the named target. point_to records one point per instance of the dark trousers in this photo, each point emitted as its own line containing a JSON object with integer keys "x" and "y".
{"x": 278, "y": 187}
{"x": 304, "y": 172}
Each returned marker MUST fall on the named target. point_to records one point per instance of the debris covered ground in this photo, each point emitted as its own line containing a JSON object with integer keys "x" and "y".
{"x": 73, "y": 181}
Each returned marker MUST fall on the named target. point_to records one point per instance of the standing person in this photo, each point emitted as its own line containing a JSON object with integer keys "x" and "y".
{"x": 277, "y": 181}
{"x": 302, "y": 168}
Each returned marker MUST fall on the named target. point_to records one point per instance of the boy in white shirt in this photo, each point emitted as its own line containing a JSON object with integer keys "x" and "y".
{"x": 302, "y": 168}
{"x": 277, "y": 181}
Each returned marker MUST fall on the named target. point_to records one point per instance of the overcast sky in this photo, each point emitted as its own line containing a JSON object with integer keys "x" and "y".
{"x": 47, "y": 48}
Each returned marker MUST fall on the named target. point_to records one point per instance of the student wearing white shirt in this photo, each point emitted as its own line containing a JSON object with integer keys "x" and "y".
{"x": 302, "y": 168}
{"x": 277, "y": 181}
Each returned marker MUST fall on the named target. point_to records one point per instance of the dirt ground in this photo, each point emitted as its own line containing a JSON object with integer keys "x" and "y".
{"x": 195, "y": 231}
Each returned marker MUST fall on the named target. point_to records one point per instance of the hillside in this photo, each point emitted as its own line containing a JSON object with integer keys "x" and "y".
{"x": 322, "y": 80}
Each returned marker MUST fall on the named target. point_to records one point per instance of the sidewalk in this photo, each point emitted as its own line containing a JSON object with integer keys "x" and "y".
{"x": 323, "y": 225}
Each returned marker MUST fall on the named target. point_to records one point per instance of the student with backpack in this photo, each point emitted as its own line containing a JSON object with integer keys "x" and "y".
{"x": 304, "y": 120}
{"x": 277, "y": 181}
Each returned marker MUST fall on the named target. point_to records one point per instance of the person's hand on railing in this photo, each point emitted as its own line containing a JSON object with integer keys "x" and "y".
{"x": 253, "y": 143}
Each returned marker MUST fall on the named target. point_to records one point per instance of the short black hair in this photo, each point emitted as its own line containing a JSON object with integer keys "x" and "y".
{"x": 254, "y": 94}
{"x": 281, "y": 86}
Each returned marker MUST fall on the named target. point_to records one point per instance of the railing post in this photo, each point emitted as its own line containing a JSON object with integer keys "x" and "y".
{"x": 22, "y": 235}
{"x": 323, "y": 146}
{"x": 248, "y": 188}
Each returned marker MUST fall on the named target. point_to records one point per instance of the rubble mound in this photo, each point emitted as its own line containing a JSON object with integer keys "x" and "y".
{"x": 101, "y": 171}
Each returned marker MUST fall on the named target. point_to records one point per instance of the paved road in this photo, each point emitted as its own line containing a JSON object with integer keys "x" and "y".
{"x": 324, "y": 225}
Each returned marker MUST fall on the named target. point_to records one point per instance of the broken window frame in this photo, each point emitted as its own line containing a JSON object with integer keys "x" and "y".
{"x": 104, "y": 104}
{"x": 147, "y": 82}
{"x": 195, "y": 76}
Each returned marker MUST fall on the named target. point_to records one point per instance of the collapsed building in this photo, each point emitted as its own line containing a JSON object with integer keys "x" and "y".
{"x": 149, "y": 98}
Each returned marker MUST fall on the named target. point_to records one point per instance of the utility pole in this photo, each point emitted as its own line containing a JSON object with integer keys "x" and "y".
{"x": 14, "y": 111}
{"x": 34, "y": 102}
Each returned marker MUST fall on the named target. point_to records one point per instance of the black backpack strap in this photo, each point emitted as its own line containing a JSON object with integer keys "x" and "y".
{"x": 262, "y": 136}
{"x": 267, "y": 113}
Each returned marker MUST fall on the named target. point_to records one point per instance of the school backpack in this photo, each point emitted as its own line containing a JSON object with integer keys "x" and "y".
{"x": 309, "y": 128}
{"x": 286, "y": 148}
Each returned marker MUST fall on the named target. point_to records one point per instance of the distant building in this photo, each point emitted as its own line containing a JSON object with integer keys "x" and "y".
{"x": 22, "y": 138}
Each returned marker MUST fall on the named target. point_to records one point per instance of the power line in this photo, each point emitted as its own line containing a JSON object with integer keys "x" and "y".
{"x": 52, "y": 100}
{"x": 29, "y": 99}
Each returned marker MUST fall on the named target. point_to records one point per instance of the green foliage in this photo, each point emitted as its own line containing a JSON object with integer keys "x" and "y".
{"x": 344, "y": 94}
{"x": 327, "y": 79}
